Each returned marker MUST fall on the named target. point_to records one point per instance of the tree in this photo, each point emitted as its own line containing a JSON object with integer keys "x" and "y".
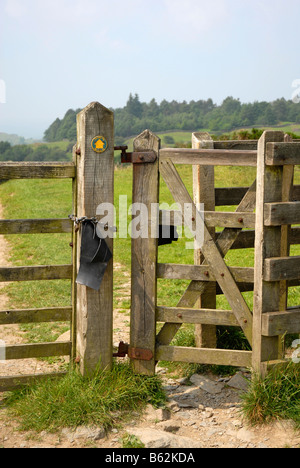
{"x": 231, "y": 105}
{"x": 51, "y": 133}
{"x": 4, "y": 146}
{"x": 134, "y": 106}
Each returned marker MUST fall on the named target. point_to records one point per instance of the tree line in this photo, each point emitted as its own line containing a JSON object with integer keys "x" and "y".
{"x": 182, "y": 116}
{"x": 37, "y": 152}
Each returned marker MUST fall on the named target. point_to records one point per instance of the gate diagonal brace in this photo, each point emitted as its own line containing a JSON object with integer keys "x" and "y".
{"x": 144, "y": 157}
{"x": 139, "y": 354}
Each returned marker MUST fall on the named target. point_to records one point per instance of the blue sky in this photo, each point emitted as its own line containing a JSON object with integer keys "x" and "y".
{"x": 61, "y": 54}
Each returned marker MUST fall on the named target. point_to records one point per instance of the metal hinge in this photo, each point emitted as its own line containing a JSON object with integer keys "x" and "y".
{"x": 140, "y": 157}
{"x": 139, "y": 354}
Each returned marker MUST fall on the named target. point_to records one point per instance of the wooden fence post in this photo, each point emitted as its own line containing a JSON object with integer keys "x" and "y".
{"x": 144, "y": 256}
{"x": 204, "y": 192}
{"x": 268, "y": 244}
{"x": 95, "y": 185}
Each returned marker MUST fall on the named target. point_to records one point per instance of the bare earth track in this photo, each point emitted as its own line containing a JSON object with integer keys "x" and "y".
{"x": 204, "y": 415}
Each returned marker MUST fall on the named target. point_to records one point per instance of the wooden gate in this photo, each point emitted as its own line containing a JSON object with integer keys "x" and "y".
{"x": 210, "y": 274}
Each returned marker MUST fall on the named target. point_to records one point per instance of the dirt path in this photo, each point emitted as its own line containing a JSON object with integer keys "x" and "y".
{"x": 205, "y": 414}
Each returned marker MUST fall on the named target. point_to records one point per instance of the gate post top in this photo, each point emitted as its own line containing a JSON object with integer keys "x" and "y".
{"x": 94, "y": 106}
{"x": 146, "y": 140}
{"x": 201, "y": 138}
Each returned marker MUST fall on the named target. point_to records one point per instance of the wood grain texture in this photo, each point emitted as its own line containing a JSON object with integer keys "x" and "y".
{"x": 144, "y": 256}
{"x": 54, "y": 314}
{"x": 283, "y": 154}
{"x": 39, "y": 350}
{"x": 34, "y": 170}
{"x": 75, "y": 237}
{"x": 281, "y": 323}
{"x": 219, "y": 357}
{"x": 35, "y": 273}
{"x": 236, "y": 145}
{"x": 209, "y": 157}
{"x": 267, "y": 244}
{"x": 35, "y": 226}
{"x": 204, "y": 193}
{"x": 202, "y": 272}
{"x": 196, "y": 316}
{"x": 282, "y": 268}
{"x": 95, "y": 185}
{"x": 282, "y": 213}
{"x": 8, "y": 384}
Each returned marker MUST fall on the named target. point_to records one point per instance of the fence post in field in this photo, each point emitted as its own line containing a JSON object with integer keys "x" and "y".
{"x": 268, "y": 244}
{"x": 144, "y": 256}
{"x": 204, "y": 192}
{"x": 95, "y": 185}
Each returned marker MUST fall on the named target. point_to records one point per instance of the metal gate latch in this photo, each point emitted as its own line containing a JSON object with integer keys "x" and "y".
{"x": 141, "y": 157}
{"x": 139, "y": 354}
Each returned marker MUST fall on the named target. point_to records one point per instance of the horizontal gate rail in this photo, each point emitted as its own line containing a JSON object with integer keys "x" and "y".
{"x": 224, "y": 219}
{"x": 218, "y": 357}
{"x": 43, "y": 315}
{"x": 207, "y": 157}
{"x": 35, "y": 273}
{"x": 38, "y": 170}
{"x": 279, "y": 323}
{"x": 201, "y": 273}
{"x": 282, "y": 269}
{"x": 278, "y": 214}
{"x": 236, "y": 145}
{"x": 283, "y": 154}
{"x": 39, "y": 350}
{"x": 36, "y": 226}
{"x": 197, "y": 316}
{"x": 14, "y": 382}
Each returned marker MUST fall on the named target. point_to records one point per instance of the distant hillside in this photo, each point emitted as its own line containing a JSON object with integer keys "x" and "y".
{"x": 61, "y": 151}
{"x": 16, "y": 139}
{"x": 182, "y": 116}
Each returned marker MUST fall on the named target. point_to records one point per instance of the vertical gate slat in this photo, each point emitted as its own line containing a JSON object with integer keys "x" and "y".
{"x": 267, "y": 245}
{"x": 204, "y": 192}
{"x": 144, "y": 256}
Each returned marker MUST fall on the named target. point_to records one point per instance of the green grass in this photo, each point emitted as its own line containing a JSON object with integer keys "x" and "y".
{"x": 73, "y": 400}
{"x": 276, "y": 397}
{"x": 131, "y": 442}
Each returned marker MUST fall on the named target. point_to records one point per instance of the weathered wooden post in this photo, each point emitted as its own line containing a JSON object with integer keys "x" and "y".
{"x": 95, "y": 185}
{"x": 144, "y": 258}
{"x": 204, "y": 193}
{"x": 268, "y": 244}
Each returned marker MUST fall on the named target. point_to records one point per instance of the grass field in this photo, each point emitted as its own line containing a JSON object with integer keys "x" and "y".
{"x": 46, "y": 199}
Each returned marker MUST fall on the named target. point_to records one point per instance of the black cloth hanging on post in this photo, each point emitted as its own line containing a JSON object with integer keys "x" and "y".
{"x": 94, "y": 257}
{"x": 167, "y": 235}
